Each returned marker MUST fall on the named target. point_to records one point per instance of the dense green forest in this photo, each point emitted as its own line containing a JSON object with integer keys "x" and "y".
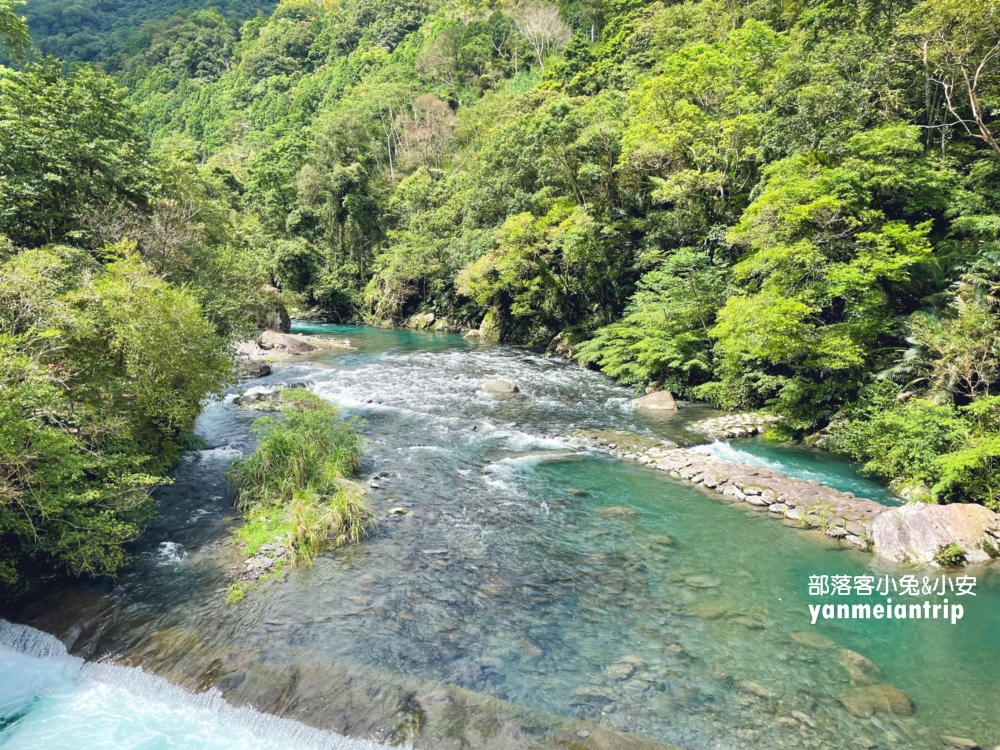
{"x": 780, "y": 204}
{"x": 103, "y": 31}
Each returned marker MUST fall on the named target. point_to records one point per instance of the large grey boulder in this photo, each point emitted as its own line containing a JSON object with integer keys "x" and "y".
{"x": 499, "y": 387}
{"x": 420, "y": 321}
{"x": 284, "y": 342}
{"x": 919, "y": 531}
{"x": 656, "y": 401}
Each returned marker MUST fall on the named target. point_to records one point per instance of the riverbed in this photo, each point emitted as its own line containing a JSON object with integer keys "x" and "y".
{"x": 508, "y": 602}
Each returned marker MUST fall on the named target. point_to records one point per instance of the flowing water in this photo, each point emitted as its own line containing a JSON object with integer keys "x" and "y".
{"x": 507, "y": 583}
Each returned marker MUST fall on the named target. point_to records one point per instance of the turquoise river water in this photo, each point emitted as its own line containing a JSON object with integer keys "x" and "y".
{"x": 503, "y": 603}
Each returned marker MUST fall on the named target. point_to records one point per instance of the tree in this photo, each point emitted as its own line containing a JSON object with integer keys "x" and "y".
{"x": 13, "y": 28}
{"x": 958, "y": 44}
{"x": 543, "y": 28}
{"x": 68, "y": 144}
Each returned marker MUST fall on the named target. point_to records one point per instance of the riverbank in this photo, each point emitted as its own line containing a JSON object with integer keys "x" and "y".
{"x": 514, "y": 577}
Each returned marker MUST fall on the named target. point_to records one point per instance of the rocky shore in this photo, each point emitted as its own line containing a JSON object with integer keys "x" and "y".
{"x": 840, "y": 515}
{"x": 914, "y": 533}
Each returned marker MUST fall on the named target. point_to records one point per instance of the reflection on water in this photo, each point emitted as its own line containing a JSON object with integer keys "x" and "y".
{"x": 670, "y": 615}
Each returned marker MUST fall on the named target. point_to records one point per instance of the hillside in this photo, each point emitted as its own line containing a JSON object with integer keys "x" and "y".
{"x": 780, "y": 205}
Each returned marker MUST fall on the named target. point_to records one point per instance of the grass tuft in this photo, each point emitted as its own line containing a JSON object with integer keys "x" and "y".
{"x": 295, "y": 488}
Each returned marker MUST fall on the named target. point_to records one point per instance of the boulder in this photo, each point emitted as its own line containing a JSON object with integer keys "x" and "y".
{"x": 490, "y": 329}
{"x": 273, "y": 315}
{"x": 871, "y": 699}
{"x": 916, "y": 533}
{"x": 499, "y": 387}
{"x": 563, "y": 345}
{"x": 252, "y": 370}
{"x": 284, "y": 342}
{"x": 863, "y": 671}
{"x": 420, "y": 321}
{"x": 658, "y": 401}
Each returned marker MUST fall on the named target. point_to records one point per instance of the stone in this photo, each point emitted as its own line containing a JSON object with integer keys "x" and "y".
{"x": 856, "y": 541}
{"x": 257, "y": 395}
{"x": 253, "y": 370}
{"x": 917, "y": 532}
{"x": 959, "y": 743}
{"x": 748, "y": 622}
{"x": 871, "y": 699}
{"x": 397, "y": 511}
{"x": 620, "y": 671}
{"x": 420, "y": 321}
{"x": 702, "y": 582}
{"x": 575, "y": 492}
{"x": 804, "y": 718}
{"x": 811, "y": 639}
{"x": 284, "y": 342}
{"x": 660, "y": 539}
{"x": 733, "y": 491}
{"x": 778, "y": 508}
{"x": 756, "y": 689}
{"x": 616, "y": 511}
{"x": 710, "y": 610}
{"x": 863, "y": 671}
{"x": 658, "y": 401}
{"x": 499, "y": 387}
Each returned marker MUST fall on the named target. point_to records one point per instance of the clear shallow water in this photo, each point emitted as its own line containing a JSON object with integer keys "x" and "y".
{"x": 798, "y": 461}
{"x": 503, "y": 582}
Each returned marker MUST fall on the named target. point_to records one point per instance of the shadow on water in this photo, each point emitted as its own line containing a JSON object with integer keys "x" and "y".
{"x": 528, "y": 576}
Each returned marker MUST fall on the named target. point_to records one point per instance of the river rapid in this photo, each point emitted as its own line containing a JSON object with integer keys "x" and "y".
{"x": 504, "y": 609}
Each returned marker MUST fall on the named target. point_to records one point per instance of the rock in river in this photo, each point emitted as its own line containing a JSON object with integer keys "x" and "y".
{"x": 657, "y": 401}
{"x": 872, "y": 699}
{"x": 616, "y": 511}
{"x": 918, "y": 532}
{"x": 702, "y": 582}
{"x": 284, "y": 342}
{"x": 499, "y": 387}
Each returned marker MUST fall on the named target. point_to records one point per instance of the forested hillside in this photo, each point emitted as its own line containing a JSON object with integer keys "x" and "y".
{"x": 780, "y": 204}
{"x": 100, "y": 31}
{"x": 787, "y": 205}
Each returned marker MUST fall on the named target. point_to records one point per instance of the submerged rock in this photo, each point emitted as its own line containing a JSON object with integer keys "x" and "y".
{"x": 756, "y": 689}
{"x": 616, "y": 511}
{"x": 811, "y": 639}
{"x": 959, "y": 743}
{"x": 918, "y": 532}
{"x": 702, "y": 582}
{"x": 863, "y": 671}
{"x": 499, "y": 387}
{"x": 871, "y": 699}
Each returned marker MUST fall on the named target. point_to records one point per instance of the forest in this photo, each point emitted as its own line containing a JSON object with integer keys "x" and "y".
{"x": 787, "y": 205}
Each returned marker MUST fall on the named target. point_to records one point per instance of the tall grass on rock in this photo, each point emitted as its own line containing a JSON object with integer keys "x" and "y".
{"x": 295, "y": 486}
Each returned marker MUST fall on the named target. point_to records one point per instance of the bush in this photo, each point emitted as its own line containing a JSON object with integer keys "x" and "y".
{"x": 951, "y": 556}
{"x": 294, "y": 486}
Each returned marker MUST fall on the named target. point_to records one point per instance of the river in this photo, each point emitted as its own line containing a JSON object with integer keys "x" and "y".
{"x": 504, "y": 608}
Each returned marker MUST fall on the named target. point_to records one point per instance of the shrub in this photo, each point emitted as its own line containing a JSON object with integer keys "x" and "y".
{"x": 294, "y": 486}
{"x": 951, "y": 556}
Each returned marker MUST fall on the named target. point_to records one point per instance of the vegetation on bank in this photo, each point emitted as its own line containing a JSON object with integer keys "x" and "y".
{"x": 294, "y": 489}
{"x": 776, "y": 205}
{"x": 766, "y": 204}
{"x": 122, "y": 284}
